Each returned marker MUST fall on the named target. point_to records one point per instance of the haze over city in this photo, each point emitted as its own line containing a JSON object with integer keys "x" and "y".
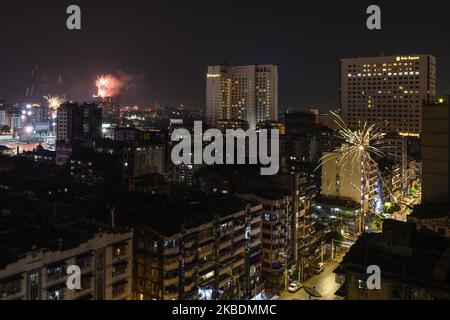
{"x": 166, "y": 46}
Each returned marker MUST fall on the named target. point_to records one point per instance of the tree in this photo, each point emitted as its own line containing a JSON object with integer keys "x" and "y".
{"x": 335, "y": 236}
{"x": 392, "y": 208}
{"x": 5, "y": 128}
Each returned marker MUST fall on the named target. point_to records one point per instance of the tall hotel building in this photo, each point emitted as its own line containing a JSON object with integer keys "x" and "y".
{"x": 247, "y": 93}
{"x": 388, "y": 91}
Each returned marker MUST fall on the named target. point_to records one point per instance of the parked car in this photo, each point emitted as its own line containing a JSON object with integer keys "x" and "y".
{"x": 320, "y": 267}
{"x": 294, "y": 287}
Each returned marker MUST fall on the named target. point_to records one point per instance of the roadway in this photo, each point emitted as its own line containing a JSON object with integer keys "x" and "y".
{"x": 325, "y": 284}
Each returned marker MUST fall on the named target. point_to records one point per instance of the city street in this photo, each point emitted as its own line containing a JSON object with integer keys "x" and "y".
{"x": 324, "y": 283}
{"x": 406, "y": 209}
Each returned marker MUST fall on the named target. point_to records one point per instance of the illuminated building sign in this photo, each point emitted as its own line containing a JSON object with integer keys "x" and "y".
{"x": 407, "y": 58}
{"x": 210, "y": 75}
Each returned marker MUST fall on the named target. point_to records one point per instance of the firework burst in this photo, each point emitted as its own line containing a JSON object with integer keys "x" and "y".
{"x": 54, "y": 102}
{"x": 108, "y": 86}
{"x": 360, "y": 144}
{"x": 359, "y": 150}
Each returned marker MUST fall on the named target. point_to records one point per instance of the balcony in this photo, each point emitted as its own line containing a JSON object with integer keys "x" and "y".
{"x": 189, "y": 259}
{"x": 205, "y": 266}
{"x": 171, "y": 251}
{"x": 225, "y": 244}
{"x": 225, "y": 256}
{"x": 12, "y": 296}
{"x": 189, "y": 287}
{"x": 239, "y": 237}
{"x": 170, "y": 296}
{"x": 170, "y": 265}
{"x": 190, "y": 273}
{"x": 170, "y": 282}
{"x": 239, "y": 262}
{"x": 239, "y": 250}
{"x": 189, "y": 244}
{"x": 226, "y": 269}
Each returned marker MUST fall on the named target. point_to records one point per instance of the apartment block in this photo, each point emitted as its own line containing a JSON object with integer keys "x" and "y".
{"x": 209, "y": 249}
{"x": 39, "y": 273}
{"x": 276, "y": 238}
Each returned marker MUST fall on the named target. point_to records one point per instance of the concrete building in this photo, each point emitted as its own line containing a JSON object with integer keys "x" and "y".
{"x": 435, "y": 152}
{"x": 3, "y": 116}
{"x": 211, "y": 249}
{"x": 242, "y": 92}
{"x": 347, "y": 211}
{"x": 78, "y": 122}
{"x": 434, "y": 217}
{"x": 434, "y": 213}
{"x": 414, "y": 265}
{"x": 277, "y": 255}
{"x": 39, "y": 242}
{"x": 349, "y": 180}
{"x": 395, "y": 148}
{"x": 388, "y": 91}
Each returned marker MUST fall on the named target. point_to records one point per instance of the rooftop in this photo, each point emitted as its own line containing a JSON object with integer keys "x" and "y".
{"x": 417, "y": 257}
{"x": 431, "y": 211}
{"x": 29, "y": 224}
{"x": 170, "y": 216}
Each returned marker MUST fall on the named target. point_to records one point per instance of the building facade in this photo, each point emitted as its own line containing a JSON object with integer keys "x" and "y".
{"x": 213, "y": 257}
{"x": 349, "y": 179}
{"x": 105, "y": 261}
{"x": 78, "y": 122}
{"x": 388, "y": 91}
{"x": 276, "y": 238}
{"x": 414, "y": 265}
{"x": 242, "y": 92}
{"x": 435, "y": 152}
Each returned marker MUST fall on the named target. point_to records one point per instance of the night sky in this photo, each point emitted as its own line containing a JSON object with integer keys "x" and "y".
{"x": 165, "y": 46}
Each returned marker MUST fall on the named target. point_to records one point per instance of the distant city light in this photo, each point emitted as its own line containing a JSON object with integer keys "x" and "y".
{"x": 29, "y": 129}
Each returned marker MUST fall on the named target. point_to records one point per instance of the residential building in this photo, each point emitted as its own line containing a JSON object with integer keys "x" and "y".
{"x": 277, "y": 255}
{"x": 349, "y": 179}
{"x": 39, "y": 243}
{"x": 414, "y": 265}
{"x": 434, "y": 217}
{"x": 210, "y": 250}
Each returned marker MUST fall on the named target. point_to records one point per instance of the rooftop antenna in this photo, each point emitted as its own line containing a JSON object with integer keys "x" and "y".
{"x": 30, "y": 90}
{"x": 113, "y": 220}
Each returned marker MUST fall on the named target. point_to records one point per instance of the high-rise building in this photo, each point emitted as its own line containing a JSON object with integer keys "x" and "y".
{"x": 277, "y": 255}
{"x": 388, "y": 91}
{"x": 79, "y": 122}
{"x": 242, "y": 92}
{"x": 435, "y": 152}
{"x": 395, "y": 148}
{"x": 3, "y": 114}
{"x": 348, "y": 180}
